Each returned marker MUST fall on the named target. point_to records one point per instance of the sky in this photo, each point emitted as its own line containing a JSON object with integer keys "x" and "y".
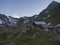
{"x": 23, "y": 7}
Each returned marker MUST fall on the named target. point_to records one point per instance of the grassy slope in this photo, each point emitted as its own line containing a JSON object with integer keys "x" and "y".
{"x": 18, "y": 38}
{"x": 55, "y": 18}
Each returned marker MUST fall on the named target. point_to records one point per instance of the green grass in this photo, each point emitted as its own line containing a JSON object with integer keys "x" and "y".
{"x": 54, "y": 18}
{"x": 41, "y": 38}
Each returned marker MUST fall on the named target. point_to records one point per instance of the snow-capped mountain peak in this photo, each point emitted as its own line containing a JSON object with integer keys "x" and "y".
{"x": 7, "y": 20}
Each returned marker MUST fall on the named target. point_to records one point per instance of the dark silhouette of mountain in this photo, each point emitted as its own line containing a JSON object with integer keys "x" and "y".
{"x": 52, "y": 5}
{"x": 51, "y": 14}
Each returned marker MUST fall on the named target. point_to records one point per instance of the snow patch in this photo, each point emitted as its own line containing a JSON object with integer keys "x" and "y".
{"x": 0, "y": 21}
{"x": 36, "y": 16}
{"x": 26, "y": 21}
{"x": 58, "y": 25}
{"x": 49, "y": 23}
{"x": 39, "y": 22}
{"x": 47, "y": 11}
{"x": 46, "y": 17}
{"x": 12, "y": 22}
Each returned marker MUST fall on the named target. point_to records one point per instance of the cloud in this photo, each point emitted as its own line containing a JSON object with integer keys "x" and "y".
{"x": 16, "y": 16}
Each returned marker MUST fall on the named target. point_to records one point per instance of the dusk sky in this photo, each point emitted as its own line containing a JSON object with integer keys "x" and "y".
{"x": 23, "y": 7}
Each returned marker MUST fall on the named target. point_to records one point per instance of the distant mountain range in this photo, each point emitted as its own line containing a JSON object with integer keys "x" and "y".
{"x": 49, "y": 15}
{"x": 7, "y": 20}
